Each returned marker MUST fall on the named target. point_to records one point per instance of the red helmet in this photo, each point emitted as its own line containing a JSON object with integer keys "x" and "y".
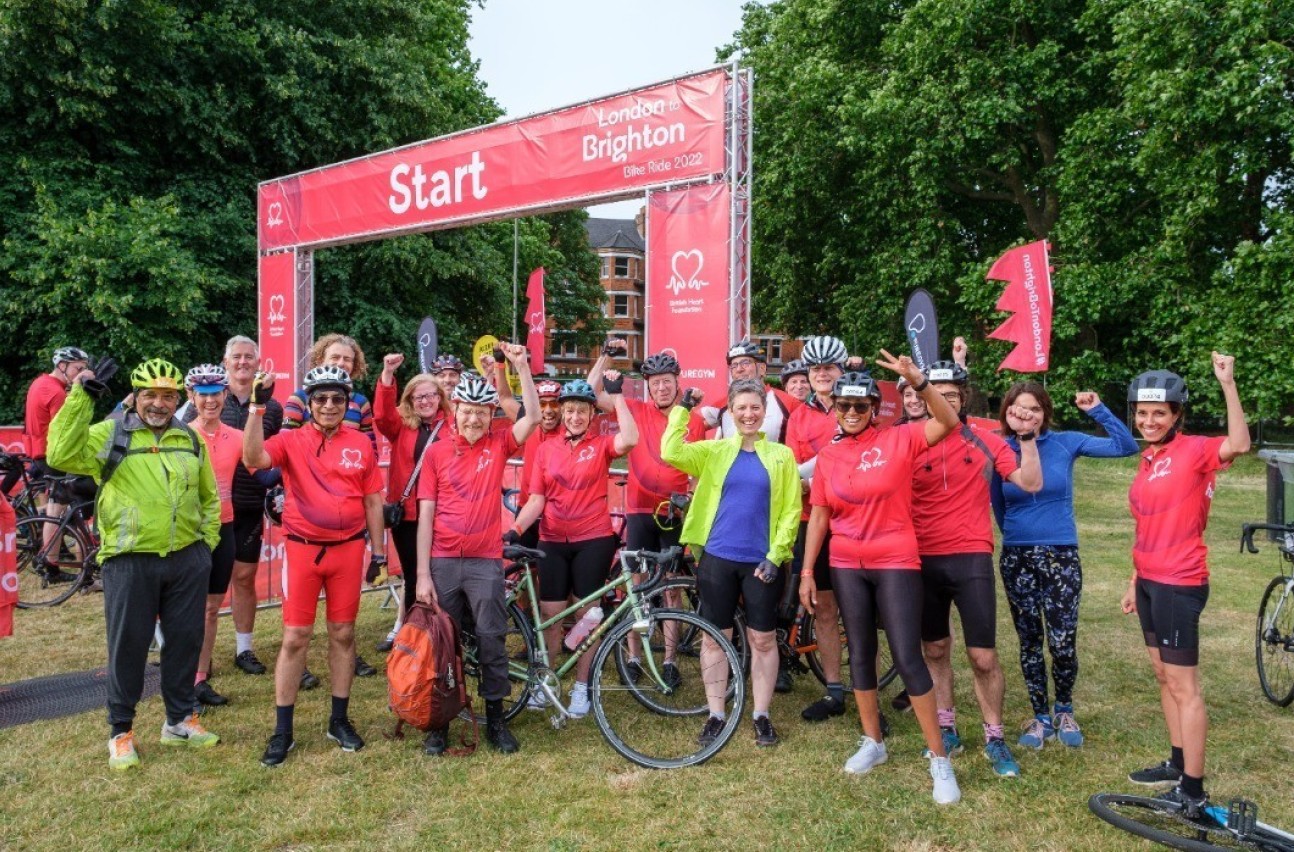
{"x": 548, "y": 389}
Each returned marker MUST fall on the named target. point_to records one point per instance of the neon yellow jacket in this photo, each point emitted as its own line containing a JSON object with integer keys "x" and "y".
{"x": 709, "y": 462}
{"x": 154, "y": 502}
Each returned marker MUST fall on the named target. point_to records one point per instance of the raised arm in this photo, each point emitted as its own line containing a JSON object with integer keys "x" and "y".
{"x": 386, "y": 414}
{"x": 627, "y": 438}
{"x": 943, "y": 419}
{"x": 674, "y": 447}
{"x": 1028, "y": 476}
{"x": 523, "y": 426}
{"x": 1237, "y": 442}
{"x": 613, "y": 347}
{"x": 1120, "y": 441}
{"x": 254, "y": 455}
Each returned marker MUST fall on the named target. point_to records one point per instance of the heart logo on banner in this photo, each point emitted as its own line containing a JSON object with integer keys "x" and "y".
{"x": 536, "y": 322}
{"x": 275, "y": 217}
{"x": 918, "y": 324}
{"x": 686, "y": 266}
{"x": 351, "y": 458}
{"x": 424, "y": 341}
{"x": 277, "y": 304}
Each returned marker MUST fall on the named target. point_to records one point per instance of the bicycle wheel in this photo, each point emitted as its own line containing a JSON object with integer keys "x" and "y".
{"x": 1274, "y": 642}
{"x": 808, "y": 640}
{"x": 48, "y": 572}
{"x": 520, "y": 648}
{"x": 643, "y": 734}
{"x": 1162, "y": 822}
{"x": 681, "y": 593}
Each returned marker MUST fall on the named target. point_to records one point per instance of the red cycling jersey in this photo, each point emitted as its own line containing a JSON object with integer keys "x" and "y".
{"x": 1170, "y": 498}
{"x": 225, "y": 447}
{"x": 950, "y": 491}
{"x": 651, "y": 480}
{"x": 325, "y": 480}
{"x": 404, "y": 442}
{"x": 866, "y": 482}
{"x": 464, "y": 481}
{"x": 44, "y": 398}
{"x": 572, "y": 477}
{"x": 811, "y": 428}
{"x": 530, "y": 450}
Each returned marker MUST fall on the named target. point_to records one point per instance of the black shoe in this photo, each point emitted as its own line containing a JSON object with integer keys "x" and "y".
{"x": 669, "y": 673}
{"x": 634, "y": 670}
{"x": 783, "y": 683}
{"x": 496, "y": 729}
{"x": 711, "y": 731}
{"x": 55, "y": 575}
{"x": 277, "y": 750}
{"x": 386, "y": 644}
{"x": 822, "y": 709}
{"x": 308, "y": 681}
{"x": 363, "y": 669}
{"x": 765, "y": 733}
{"x": 342, "y": 732}
{"x": 435, "y": 743}
{"x": 901, "y": 702}
{"x": 1157, "y": 776}
{"x": 249, "y": 664}
{"x": 208, "y": 696}
{"x": 1191, "y": 806}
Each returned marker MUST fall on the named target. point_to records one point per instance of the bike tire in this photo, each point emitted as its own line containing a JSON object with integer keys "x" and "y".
{"x": 640, "y": 733}
{"x": 1159, "y": 821}
{"x": 34, "y": 586}
{"x": 681, "y": 593}
{"x": 808, "y": 638}
{"x": 520, "y": 647}
{"x": 1274, "y": 643}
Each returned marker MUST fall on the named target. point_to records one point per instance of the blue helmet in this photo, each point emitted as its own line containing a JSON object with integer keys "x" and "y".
{"x": 580, "y": 390}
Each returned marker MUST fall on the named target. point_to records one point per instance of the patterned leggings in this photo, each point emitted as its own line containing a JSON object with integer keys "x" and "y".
{"x": 1043, "y": 584}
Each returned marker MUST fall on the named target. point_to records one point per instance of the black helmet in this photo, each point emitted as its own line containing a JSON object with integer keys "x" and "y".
{"x": 746, "y": 349}
{"x": 795, "y": 367}
{"x": 947, "y": 371}
{"x": 856, "y": 385}
{"x": 660, "y": 364}
{"x": 824, "y": 349}
{"x": 1158, "y": 386}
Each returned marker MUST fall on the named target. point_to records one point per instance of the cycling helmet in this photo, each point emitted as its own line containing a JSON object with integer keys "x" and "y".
{"x": 548, "y": 389}
{"x": 660, "y": 364}
{"x": 901, "y": 384}
{"x": 67, "y": 354}
{"x": 856, "y": 385}
{"x": 746, "y": 349}
{"x": 274, "y": 498}
{"x": 947, "y": 371}
{"x": 445, "y": 362}
{"x": 475, "y": 390}
{"x": 824, "y": 350}
{"x": 157, "y": 374}
{"x": 1158, "y": 386}
{"x": 580, "y": 391}
{"x": 207, "y": 378}
{"x": 327, "y": 376}
{"x": 795, "y": 367}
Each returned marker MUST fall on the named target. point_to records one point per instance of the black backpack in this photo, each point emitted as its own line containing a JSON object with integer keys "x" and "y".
{"x": 119, "y": 448}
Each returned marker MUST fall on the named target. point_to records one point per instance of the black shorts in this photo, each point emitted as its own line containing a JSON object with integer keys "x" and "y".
{"x": 722, "y": 583}
{"x": 1170, "y": 620}
{"x": 575, "y": 567}
{"x": 222, "y": 561}
{"x": 821, "y": 568}
{"x": 968, "y": 580}
{"x": 248, "y": 524}
{"x": 643, "y": 533}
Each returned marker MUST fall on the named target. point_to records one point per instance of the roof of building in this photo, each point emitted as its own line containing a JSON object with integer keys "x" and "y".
{"x": 614, "y": 234}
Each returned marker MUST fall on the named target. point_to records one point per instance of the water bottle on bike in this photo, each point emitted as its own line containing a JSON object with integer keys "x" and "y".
{"x": 583, "y": 628}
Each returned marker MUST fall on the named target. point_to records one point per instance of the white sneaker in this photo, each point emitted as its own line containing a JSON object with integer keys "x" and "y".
{"x": 946, "y": 790}
{"x": 538, "y": 700}
{"x": 870, "y": 754}
{"x": 579, "y": 701}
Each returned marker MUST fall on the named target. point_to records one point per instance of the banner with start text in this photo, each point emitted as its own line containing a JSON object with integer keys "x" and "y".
{"x": 688, "y": 291}
{"x": 659, "y": 134}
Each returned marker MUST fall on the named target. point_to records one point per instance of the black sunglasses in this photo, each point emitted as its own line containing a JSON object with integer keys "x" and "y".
{"x": 862, "y": 407}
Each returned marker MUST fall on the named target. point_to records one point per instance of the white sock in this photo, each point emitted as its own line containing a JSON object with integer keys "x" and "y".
{"x": 720, "y": 716}
{"x": 243, "y": 642}
{"x": 761, "y": 714}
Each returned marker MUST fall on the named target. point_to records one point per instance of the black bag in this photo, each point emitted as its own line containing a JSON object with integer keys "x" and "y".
{"x": 393, "y": 513}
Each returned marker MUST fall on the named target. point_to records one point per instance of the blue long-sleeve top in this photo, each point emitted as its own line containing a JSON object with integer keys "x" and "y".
{"x": 1047, "y": 517}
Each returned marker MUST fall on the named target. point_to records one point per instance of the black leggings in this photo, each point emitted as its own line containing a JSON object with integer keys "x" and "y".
{"x": 404, "y": 536}
{"x": 896, "y": 595}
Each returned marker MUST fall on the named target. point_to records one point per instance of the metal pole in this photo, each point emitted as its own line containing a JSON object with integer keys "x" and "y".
{"x": 515, "y": 231}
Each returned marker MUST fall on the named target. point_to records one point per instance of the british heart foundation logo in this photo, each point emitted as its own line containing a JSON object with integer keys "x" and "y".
{"x": 685, "y": 271}
{"x": 276, "y": 315}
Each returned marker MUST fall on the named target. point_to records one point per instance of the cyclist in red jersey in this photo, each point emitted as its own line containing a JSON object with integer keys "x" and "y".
{"x": 569, "y": 489}
{"x": 795, "y": 379}
{"x": 746, "y": 360}
{"x": 207, "y": 385}
{"x": 862, "y": 493}
{"x": 1170, "y": 499}
{"x": 951, "y": 511}
{"x": 333, "y": 496}
{"x": 550, "y": 423}
{"x": 448, "y": 370}
{"x": 412, "y": 421}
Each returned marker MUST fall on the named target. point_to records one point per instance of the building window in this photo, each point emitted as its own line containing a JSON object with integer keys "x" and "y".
{"x": 622, "y": 267}
{"x": 620, "y": 304}
{"x": 566, "y": 348}
{"x": 606, "y": 267}
{"x": 772, "y": 348}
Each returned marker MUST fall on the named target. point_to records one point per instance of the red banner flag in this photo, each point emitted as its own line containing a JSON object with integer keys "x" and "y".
{"x": 1028, "y": 296}
{"x": 536, "y": 320}
{"x": 8, "y": 567}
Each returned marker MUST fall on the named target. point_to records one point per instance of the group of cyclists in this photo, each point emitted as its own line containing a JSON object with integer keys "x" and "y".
{"x": 884, "y": 527}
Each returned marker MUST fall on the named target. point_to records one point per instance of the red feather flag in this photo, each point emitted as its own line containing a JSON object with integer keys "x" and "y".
{"x": 1028, "y": 296}
{"x": 536, "y": 320}
{"x": 8, "y": 567}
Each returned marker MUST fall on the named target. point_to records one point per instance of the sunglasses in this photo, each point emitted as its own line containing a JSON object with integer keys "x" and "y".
{"x": 856, "y": 407}
{"x": 322, "y": 399}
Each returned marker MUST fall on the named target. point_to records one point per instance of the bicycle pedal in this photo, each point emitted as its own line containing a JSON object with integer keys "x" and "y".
{"x": 1242, "y": 816}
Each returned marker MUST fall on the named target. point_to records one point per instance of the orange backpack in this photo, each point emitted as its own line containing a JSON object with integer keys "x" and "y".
{"x": 424, "y": 673}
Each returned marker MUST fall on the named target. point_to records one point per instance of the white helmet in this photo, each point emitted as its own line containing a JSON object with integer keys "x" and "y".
{"x": 68, "y": 354}
{"x": 475, "y": 390}
{"x": 327, "y": 376}
{"x": 824, "y": 350}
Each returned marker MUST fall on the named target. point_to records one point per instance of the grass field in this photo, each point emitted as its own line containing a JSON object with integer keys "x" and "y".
{"x": 568, "y": 790}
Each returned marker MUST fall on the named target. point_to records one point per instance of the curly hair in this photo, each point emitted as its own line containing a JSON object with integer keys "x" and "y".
{"x": 407, "y": 414}
{"x": 360, "y": 369}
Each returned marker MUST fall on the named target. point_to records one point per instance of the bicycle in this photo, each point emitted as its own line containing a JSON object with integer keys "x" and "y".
{"x": 51, "y": 568}
{"x": 30, "y": 498}
{"x": 1214, "y": 828}
{"x": 642, "y": 716}
{"x": 1274, "y": 632}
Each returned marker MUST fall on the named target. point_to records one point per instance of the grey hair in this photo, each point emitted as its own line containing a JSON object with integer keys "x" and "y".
{"x": 741, "y": 386}
{"x": 238, "y": 339}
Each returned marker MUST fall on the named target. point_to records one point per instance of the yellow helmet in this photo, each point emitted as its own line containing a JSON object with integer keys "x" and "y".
{"x": 157, "y": 374}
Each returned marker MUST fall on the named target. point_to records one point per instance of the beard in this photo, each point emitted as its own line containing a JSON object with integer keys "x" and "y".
{"x": 155, "y": 418}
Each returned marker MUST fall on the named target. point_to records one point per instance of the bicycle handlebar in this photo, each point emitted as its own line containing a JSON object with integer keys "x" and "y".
{"x": 1247, "y": 534}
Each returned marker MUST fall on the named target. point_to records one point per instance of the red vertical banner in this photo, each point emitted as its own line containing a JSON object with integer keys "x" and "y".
{"x": 277, "y": 320}
{"x": 1028, "y": 297}
{"x": 8, "y": 567}
{"x": 688, "y": 282}
{"x": 536, "y": 320}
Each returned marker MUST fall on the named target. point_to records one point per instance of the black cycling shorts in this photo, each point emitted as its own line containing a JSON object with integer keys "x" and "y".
{"x": 722, "y": 583}
{"x": 575, "y": 567}
{"x": 248, "y": 524}
{"x": 643, "y": 533}
{"x": 966, "y": 579}
{"x": 1170, "y": 620}
{"x": 222, "y": 561}
{"x": 822, "y": 567}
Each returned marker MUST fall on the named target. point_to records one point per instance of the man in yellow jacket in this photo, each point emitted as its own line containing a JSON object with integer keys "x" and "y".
{"x": 158, "y": 515}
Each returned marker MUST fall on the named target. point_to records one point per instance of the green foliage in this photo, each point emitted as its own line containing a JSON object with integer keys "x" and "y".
{"x": 908, "y": 144}
{"x": 132, "y": 137}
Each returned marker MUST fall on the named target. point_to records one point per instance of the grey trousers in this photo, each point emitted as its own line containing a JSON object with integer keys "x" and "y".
{"x": 477, "y": 584}
{"x": 138, "y": 590}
